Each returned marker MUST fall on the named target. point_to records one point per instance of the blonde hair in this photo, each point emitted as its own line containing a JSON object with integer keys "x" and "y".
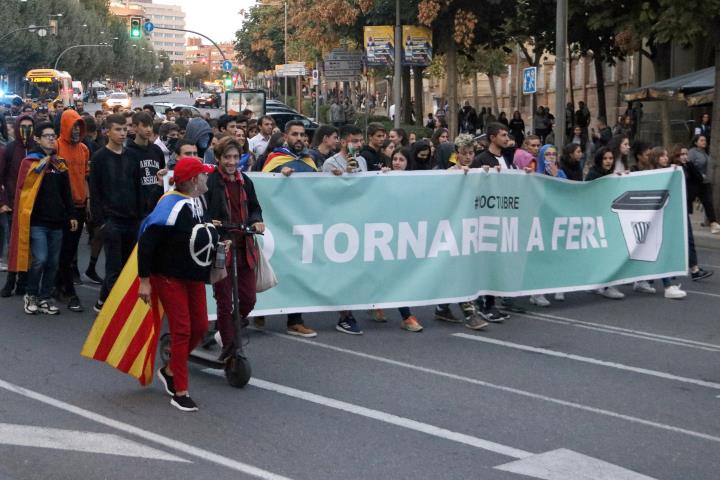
{"x": 464, "y": 140}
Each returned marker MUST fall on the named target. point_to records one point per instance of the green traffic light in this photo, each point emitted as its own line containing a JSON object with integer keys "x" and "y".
{"x": 135, "y": 33}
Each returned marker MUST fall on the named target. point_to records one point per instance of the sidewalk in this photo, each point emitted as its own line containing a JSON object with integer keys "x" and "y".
{"x": 703, "y": 237}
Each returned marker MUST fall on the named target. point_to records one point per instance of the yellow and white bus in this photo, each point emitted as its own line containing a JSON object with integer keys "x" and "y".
{"x": 50, "y": 85}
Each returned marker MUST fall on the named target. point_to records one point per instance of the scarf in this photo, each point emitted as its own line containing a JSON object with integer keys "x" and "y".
{"x": 236, "y": 203}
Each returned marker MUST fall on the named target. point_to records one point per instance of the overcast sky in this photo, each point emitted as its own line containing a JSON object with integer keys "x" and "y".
{"x": 218, "y": 19}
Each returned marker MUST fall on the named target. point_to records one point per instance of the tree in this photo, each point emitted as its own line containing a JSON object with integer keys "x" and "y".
{"x": 490, "y": 61}
{"x": 259, "y": 43}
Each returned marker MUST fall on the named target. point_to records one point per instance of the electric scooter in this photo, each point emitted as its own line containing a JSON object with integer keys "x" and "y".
{"x": 209, "y": 354}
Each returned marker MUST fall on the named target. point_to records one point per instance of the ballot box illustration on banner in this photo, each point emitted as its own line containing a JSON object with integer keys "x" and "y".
{"x": 641, "y": 218}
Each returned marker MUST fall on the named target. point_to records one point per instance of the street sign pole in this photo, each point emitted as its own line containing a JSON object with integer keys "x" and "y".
{"x": 316, "y": 77}
{"x": 398, "y": 67}
{"x": 560, "y": 69}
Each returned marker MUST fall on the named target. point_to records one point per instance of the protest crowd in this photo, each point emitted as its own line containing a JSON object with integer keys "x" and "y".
{"x": 65, "y": 172}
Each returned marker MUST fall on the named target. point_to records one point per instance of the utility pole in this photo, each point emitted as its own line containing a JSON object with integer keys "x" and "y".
{"x": 560, "y": 69}
{"x": 398, "y": 67}
{"x": 285, "y": 45}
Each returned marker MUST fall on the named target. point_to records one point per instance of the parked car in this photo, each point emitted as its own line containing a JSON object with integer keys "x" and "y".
{"x": 161, "y": 107}
{"x": 101, "y": 95}
{"x": 207, "y": 100}
{"x": 281, "y": 118}
{"x": 117, "y": 99}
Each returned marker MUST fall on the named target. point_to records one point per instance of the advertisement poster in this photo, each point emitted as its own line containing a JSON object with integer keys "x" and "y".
{"x": 379, "y": 45}
{"x": 417, "y": 46}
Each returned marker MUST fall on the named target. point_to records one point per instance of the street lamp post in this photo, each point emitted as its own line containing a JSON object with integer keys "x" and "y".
{"x": 398, "y": 66}
{"x": 560, "y": 68}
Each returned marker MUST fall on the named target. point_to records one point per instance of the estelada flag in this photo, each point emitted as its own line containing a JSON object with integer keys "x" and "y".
{"x": 125, "y": 332}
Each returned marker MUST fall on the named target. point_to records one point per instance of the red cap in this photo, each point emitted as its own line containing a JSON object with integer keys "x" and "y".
{"x": 188, "y": 168}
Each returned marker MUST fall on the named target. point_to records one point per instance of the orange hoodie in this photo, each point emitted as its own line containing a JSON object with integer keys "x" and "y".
{"x": 76, "y": 155}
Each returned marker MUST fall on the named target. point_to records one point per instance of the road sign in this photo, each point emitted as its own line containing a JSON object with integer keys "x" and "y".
{"x": 290, "y": 70}
{"x": 529, "y": 80}
{"x": 343, "y": 66}
{"x": 315, "y": 77}
{"x": 227, "y": 65}
{"x": 149, "y": 27}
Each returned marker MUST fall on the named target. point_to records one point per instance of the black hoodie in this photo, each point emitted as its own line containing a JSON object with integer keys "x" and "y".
{"x": 372, "y": 157}
{"x": 150, "y": 159}
{"x": 53, "y": 203}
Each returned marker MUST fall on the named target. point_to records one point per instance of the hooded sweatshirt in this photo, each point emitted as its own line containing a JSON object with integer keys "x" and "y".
{"x": 373, "y": 158}
{"x": 76, "y": 155}
{"x": 11, "y": 159}
{"x": 199, "y": 132}
{"x": 524, "y": 159}
{"x": 543, "y": 166}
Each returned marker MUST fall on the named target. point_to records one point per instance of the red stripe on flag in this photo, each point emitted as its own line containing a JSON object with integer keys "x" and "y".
{"x": 119, "y": 317}
{"x": 136, "y": 344}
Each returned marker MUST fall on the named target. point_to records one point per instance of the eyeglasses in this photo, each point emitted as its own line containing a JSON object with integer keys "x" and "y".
{"x": 49, "y": 136}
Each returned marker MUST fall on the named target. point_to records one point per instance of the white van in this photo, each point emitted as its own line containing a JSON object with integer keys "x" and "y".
{"x": 77, "y": 90}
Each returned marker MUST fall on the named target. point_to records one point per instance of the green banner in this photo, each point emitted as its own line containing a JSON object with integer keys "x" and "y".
{"x": 418, "y": 238}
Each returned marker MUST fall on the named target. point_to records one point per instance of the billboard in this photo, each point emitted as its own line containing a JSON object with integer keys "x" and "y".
{"x": 379, "y": 45}
{"x": 417, "y": 46}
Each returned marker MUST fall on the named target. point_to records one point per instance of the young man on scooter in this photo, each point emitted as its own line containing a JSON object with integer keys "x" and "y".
{"x": 231, "y": 199}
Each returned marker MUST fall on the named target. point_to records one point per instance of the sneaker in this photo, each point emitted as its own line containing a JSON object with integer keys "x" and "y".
{"x": 167, "y": 381}
{"x": 74, "y": 304}
{"x": 643, "y": 287}
{"x": 560, "y": 297}
{"x": 6, "y": 291}
{"x": 184, "y": 403}
{"x": 411, "y": 324}
{"x": 30, "y": 307}
{"x": 94, "y": 277}
{"x": 674, "y": 291}
{"x": 259, "y": 323}
{"x": 3, "y": 267}
{"x": 348, "y": 325}
{"x": 700, "y": 274}
{"x": 539, "y": 300}
{"x": 445, "y": 315}
{"x": 218, "y": 339}
{"x": 714, "y": 228}
{"x": 475, "y": 322}
{"x": 301, "y": 330}
{"x": 378, "y": 315}
{"x": 610, "y": 292}
{"x": 47, "y": 307}
{"x": 493, "y": 315}
{"x": 98, "y": 306}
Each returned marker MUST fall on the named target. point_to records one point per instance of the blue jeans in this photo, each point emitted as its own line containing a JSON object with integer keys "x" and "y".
{"x": 45, "y": 246}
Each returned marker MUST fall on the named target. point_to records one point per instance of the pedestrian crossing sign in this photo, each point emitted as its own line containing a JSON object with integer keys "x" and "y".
{"x": 529, "y": 80}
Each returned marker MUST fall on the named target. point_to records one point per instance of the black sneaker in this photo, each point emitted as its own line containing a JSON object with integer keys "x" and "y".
{"x": 98, "y": 306}
{"x": 184, "y": 403}
{"x": 167, "y": 381}
{"x": 494, "y": 315}
{"x": 94, "y": 277}
{"x": 446, "y": 315}
{"x": 348, "y": 325}
{"x": 700, "y": 274}
{"x": 74, "y": 304}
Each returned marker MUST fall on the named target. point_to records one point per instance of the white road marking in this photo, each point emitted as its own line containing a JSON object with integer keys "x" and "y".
{"x": 384, "y": 417}
{"x": 593, "y": 361}
{"x": 559, "y": 464}
{"x": 502, "y": 388}
{"x": 640, "y": 334}
{"x": 139, "y": 432}
{"x": 563, "y": 464}
{"x": 703, "y": 293}
{"x": 89, "y": 442}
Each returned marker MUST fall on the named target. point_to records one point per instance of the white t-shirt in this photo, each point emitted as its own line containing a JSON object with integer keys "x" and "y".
{"x": 258, "y": 144}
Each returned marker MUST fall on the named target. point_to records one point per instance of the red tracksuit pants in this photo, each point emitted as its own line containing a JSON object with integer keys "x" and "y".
{"x": 186, "y": 310}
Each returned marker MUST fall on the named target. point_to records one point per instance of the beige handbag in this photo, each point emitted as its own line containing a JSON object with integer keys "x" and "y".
{"x": 265, "y": 278}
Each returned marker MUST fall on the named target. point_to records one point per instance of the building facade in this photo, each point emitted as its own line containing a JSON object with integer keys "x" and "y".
{"x": 161, "y": 15}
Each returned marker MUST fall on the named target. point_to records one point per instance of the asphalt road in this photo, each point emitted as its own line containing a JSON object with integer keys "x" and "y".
{"x": 180, "y": 98}
{"x": 586, "y": 386}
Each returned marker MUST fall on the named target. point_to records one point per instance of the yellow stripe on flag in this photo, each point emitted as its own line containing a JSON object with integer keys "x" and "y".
{"x": 128, "y": 332}
{"x": 137, "y": 367}
{"x": 122, "y": 285}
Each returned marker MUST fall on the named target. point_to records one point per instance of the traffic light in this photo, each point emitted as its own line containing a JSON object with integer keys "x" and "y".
{"x": 227, "y": 80}
{"x": 135, "y": 27}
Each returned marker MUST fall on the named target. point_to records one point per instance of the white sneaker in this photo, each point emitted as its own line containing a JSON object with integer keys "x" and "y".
{"x": 674, "y": 291}
{"x": 610, "y": 292}
{"x": 539, "y": 300}
{"x": 560, "y": 297}
{"x": 218, "y": 339}
{"x": 714, "y": 227}
{"x": 3, "y": 266}
{"x": 643, "y": 287}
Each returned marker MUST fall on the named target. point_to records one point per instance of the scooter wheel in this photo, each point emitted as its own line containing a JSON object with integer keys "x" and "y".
{"x": 238, "y": 371}
{"x": 165, "y": 348}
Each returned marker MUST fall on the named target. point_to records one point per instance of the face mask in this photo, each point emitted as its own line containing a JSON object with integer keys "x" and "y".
{"x": 26, "y": 132}
{"x": 171, "y": 143}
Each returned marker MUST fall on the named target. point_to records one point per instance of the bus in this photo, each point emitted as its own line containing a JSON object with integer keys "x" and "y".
{"x": 47, "y": 84}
